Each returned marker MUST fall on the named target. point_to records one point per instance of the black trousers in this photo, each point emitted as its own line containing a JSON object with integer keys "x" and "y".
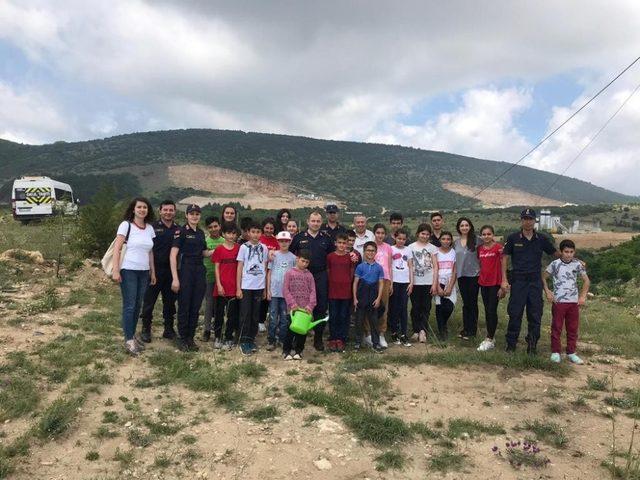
{"x": 443, "y": 312}
{"x": 193, "y": 283}
{"x": 249, "y": 315}
{"x": 397, "y": 318}
{"x": 163, "y": 285}
{"x": 232, "y": 307}
{"x": 322, "y": 302}
{"x": 490, "y": 300}
{"x": 469, "y": 290}
{"x": 420, "y": 307}
{"x": 526, "y": 292}
{"x": 293, "y": 341}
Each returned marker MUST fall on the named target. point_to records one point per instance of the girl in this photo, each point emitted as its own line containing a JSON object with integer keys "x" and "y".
{"x": 136, "y": 270}
{"x": 402, "y": 273}
{"x": 383, "y": 258}
{"x": 292, "y": 227}
{"x": 229, "y": 213}
{"x": 468, "y": 269}
{"x": 425, "y": 271}
{"x": 282, "y": 219}
{"x": 490, "y": 280}
{"x": 268, "y": 239}
{"x": 446, "y": 299}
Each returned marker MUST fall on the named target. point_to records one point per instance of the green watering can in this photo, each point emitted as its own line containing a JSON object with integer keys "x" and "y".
{"x": 302, "y": 322}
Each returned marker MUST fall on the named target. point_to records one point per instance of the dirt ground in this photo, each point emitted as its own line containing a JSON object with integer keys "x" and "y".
{"x": 230, "y": 446}
{"x": 598, "y": 239}
{"x": 501, "y": 197}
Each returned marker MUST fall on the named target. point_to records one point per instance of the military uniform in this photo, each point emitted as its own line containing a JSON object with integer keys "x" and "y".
{"x": 333, "y": 232}
{"x": 161, "y": 250}
{"x": 526, "y": 284}
{"x": 191, "y": 274}
{"x": 319, "y": 247}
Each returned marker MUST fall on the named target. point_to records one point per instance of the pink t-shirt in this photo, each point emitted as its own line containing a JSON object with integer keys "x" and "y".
{"x": 383, "y": 258}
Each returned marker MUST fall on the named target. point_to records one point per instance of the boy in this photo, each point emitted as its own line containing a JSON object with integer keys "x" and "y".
{"x": 213, "y": 240}
{"x": 351, "y": 241}
{"x": 367, "y": 295}
{"x": 402, "y": 267}
{"x": 251, "y": 281}
{"x": 565, "y": 298}
{"x": 283, "y": 261}
{"x": 340, "y": 269}
{"x": 225, "y": 260}
{"x": 299, "y": 291}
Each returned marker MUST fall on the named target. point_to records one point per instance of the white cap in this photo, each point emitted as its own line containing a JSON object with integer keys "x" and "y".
{"x": 284, "y": 235}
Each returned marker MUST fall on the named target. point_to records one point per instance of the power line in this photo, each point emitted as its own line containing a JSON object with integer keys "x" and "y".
{"x": 592, "y": 140}
{"x": 567, "y": 120}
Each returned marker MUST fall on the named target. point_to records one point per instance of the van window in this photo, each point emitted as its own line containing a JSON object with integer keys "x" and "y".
{"x": 63, "y": 195}
{"x": 20, "y": 194}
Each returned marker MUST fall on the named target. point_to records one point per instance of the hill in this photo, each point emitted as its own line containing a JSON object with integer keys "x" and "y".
{"x": 396, "y": 177}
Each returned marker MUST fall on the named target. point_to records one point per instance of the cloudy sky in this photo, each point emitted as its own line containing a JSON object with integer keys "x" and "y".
{"x": 486, "y": 79}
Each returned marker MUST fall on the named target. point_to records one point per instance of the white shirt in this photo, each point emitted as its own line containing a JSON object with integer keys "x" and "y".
{"x": 423, "y": 256}
{"x": 367, "y": 236}
{"x": 400, "y": 263}
{"x": 139, "y": 245}
{"x": 254, "y": 265}
{"x": 446, "y": 261}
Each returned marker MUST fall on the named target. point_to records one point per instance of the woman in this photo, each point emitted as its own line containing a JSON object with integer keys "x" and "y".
{"x": 468, "y": 270}
{"x": 229, "y": 213}
{"x": 292, "y": 227}
{"x": 136, "y": 270}
{"x": 282, "y": 219}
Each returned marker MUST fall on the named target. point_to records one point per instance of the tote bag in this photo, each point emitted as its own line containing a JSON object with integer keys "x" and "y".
{"x": 107, "y": 260}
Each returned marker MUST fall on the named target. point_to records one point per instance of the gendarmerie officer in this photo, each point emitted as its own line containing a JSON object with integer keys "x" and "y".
{"x": 189, "y": 280}
{"x": 332, "y": 227}
{"x": 525, "y": 249}
{"x": 320, "y": 245}
{"x": 165, "y": 229}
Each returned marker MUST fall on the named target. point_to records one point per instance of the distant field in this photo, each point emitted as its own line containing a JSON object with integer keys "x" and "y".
{"x": 597, "y": 240}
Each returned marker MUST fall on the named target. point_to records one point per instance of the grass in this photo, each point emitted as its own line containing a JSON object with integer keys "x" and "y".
{"x": 554, "y": 408}
{"x": 549, "y": 432}
{"x": 597, "y": 384}
{"x": 426, "y": 432}
{"x": 162, "y": 428}
{"x": 104, "y": 432}
{"x": 162, "y": 461}
{"x": 138, "y": 438}
{"x": 390, "y": 460}
{"x": 58, "y": 417}
{"x": 110, "y": 416}
{"x": 231, "y": 399}
{"x": 79, "y": 296}
{"x": 446, "y": 461}
{"x": 47, "y": 302}
{"x": 125, "y": 458}
{"x": 189, "y": 439}
{"x": 92, "y": 456}
{"x": 19, "y": 396}
{"x": 473, "y": 428}
{"x": 518, "y": 458}
{"x": 267, "y": 413}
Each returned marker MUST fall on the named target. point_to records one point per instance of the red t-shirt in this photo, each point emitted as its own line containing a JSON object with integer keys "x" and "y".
{"x": 270, "y": 242}
{"x": 228, "y": 266}
{"x": 490, "y": 265}
{"x": 340, "y": 269}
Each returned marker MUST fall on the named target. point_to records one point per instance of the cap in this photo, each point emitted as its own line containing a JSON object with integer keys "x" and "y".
{"x": 528, "y": 213}
{"x": 331, "y": 208}
{"x": 284, "y": 235}
{"x": 193, "y": 208}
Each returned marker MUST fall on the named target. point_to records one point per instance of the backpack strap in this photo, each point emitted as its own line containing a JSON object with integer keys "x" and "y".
{"x": 126, "y": 239}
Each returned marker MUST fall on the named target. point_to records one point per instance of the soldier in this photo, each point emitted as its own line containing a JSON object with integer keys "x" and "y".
{"x": 332, "y": 227}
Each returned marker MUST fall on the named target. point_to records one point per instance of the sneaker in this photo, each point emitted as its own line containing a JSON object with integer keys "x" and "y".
{"x": 422, "y": 336}
{"x": 182, "y": 345}
{"x": 331, "y": 345}
{"x": 169, "y": 333}
{"x": 356, "y": 346}
{"x": 415, "y": 337}
{"x": 463, "y": 335}
{"x": 378, "y": 348}
{"x": 395, "y": 338}
{"x": 297, "y": 356}
{"x": 287, "y": 356}
{"x": 254, "y": 347}
{"x": 145, "y": 335}
{"x": 383, "y": 341}
{"x": 339, "y": 346}
{"x": 193, "y": 346}
{"x": 245, "y": 348}
{"x": 367, "y": 341}
{"x": 317, "y": 344}
{"x": 139, "y": 343}
{"x": 131, "y": 348}
{"x": 228, "y": 345}
{"x": 206, "y": 335}
{"x": 262, "y": 328}
{"x": 271, "y": 347}
{"x": 217, "y": 345}
{"x": 404, "y": 341}
{"x": 487, "y": 344}
{"x": 573, "y": 358}
{"x": 555, "y": 357}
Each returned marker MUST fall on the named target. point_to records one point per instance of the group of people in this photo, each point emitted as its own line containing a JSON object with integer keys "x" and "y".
{"x": 252, "y": 276}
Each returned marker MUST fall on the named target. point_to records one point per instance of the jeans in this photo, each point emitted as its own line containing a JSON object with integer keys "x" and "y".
{"x": 420, "y": 307}
{"x": 209, "y": 306}
{"x": 277, "y": 319}
{"x": 339, "y": 316}
{"x": 398, "y": 309}
{"x": 469, "y": 292}
{"x": 443, "y": 312}
{"x": 133, "y": 285}
{"x": 249, "y": 314}
{"x": 490, "y": 300}
{"x": 232, "y": 306}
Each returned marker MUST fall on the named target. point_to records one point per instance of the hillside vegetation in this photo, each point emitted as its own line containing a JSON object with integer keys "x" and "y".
{"x": 360, "y": 174}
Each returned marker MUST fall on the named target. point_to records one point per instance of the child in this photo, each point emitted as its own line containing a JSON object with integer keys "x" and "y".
{"x": 446, "y": 299}
{"x": 268, "y": 239}
{"x": 490, "y": 281}
{"x": 367, "y": 295}
{"x": 565, "y": 298}
{"x": 340, "y": 270}
{"x": 402, "y": 271}
{"x": 425, "y": 276}
{"x": 225, "y": 260}
{"x": 245, "y": 222}
{"x": 213, "y": 240}
{"x": 283, "y": 261}
{"x": 251, "y": 280}
{"x": 351, "y": 241}
{"x": 299, "y": 291}
{"x": 383, "y": 258}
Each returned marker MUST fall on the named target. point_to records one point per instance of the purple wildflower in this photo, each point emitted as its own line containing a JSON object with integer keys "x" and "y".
{"x": 495, "y": 448}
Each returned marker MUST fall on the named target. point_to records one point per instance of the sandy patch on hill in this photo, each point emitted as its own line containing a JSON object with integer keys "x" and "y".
{"x": 597, "y": 239}
{"x": 231, "y": 186}
{"x": 501, "y": 197}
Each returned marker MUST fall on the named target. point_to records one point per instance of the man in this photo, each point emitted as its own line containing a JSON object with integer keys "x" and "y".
{"x": 437, "y": 223}
{"x": 363, "y": 235}
{"x": 396, "y": 221}
{"x": 525, "y": 249}
{"x": 165, "y": 229}
{"x": 319, "y": 245}
{"x": 332, "y": 227}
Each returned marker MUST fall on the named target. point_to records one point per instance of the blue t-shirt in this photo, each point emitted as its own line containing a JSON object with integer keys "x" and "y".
{"x": 281, "y": 264}
{"x": 369, "y": 273}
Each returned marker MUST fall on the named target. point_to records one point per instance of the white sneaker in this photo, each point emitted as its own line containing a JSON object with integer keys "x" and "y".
{"x": 422, "y": 336}
{"x": 287, "y": 357}
{"x": 415, "y": 337}
{"x": 555, "y": 358}
{"x": 383, "y": 341}
{"x": 486, "y": 345}
{"x": 262, "y": 328}
{"x": 297, "y": 356}
{"x": 132, "y": 347}
{"x": 367, "y": 341}
{"x": 573, "y": 358}
{"x": 228, "y": 345}
{"x": 217, "y": 344}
